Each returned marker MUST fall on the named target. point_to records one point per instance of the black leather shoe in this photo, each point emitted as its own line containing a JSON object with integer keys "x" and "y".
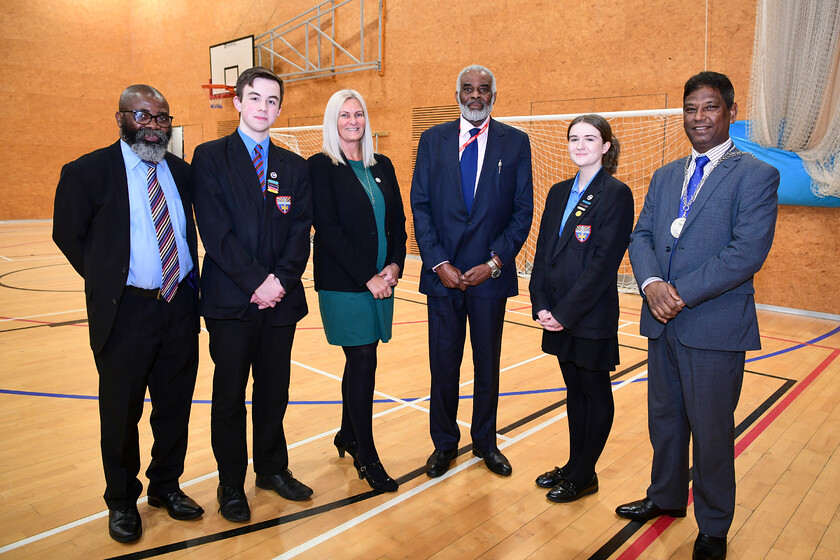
{"x": 495, "y": 461}
{"x": 707, "y": 547}
{"x": 284, "y": 484}
{"x": 124, "y": 524}
{"x": 343, "y": 446}
{"x": 178, "y": 505}
{"x": 376, "y": 476}
{"x": 439, "y": 461}
{"x": 233, "y": 505}
{"x": 551, "y": 478}
{"x": 566, "y": 491}
{"x": 645, "y": 509}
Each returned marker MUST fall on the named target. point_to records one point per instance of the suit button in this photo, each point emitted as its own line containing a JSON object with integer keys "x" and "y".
{"x": 469, "y": 223}
{"x": 123, "y": 270}
{"x": 668, "y": 249}
{"x": 114, "y": 301}
{"x": 553, "y": 290}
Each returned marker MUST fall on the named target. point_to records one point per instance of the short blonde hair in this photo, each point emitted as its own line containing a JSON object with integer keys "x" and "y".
{"x": 332, "y": 144}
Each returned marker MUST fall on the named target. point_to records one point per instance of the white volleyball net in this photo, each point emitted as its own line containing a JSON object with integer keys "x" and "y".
{"x": 649, "y": 140}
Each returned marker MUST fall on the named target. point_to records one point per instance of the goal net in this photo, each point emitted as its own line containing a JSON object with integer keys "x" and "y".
{"x": 649, "y": 140}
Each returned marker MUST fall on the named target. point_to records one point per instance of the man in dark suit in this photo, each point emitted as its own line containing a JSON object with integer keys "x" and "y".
{"x": 472, "y": 200}
{"x": 254, "y": 212}
{"x": 123, "y": 219}
{"x": 706, "y": 227}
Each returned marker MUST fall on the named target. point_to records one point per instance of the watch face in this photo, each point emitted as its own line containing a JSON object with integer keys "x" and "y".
{"x": 496, "y": 273}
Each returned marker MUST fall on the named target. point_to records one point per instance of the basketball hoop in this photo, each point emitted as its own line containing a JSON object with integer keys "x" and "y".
{"x": 217, "y": 92}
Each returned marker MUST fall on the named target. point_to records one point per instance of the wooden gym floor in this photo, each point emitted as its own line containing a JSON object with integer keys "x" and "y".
{"x": 51, "y": 482}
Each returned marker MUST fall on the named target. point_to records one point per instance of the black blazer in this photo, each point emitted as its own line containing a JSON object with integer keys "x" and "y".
{"x": 501, "y": 213}
{"x": 345, "y": 247}
{"x": 91, "y": 226}
{"x": 246, "y": 236}
{"x": 575, "y": 273}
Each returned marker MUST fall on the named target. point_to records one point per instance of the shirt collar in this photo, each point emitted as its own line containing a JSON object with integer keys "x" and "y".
{"x": 466, "y": 126}
{"x": 714, "y": 154}
{"x": 250, "y": 142}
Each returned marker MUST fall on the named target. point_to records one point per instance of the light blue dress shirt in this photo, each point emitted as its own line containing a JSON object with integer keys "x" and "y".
{"x": 574, "y": 198}
{"x": 144, "y": 268}
{"x": 250, "y": 143}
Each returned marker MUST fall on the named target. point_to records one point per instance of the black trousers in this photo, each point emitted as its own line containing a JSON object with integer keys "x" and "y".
{"x": 153, "y": 344}
{"x": 237, "y": 348}
{"x": 447, "y": 334}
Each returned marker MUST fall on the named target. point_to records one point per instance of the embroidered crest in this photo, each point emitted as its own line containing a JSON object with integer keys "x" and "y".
{"x": 582, "y": 233}
{"x": 284, "y": 203}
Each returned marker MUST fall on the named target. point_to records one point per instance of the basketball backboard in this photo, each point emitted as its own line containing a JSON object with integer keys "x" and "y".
{"x": 229, "y": 59}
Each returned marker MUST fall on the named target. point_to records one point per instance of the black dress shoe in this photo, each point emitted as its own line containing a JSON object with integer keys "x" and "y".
{"x": 124, "y": 524}
{"x": 343, "y": 446}
{"x": 376, "y": 476}
{"x": 645, "y": 509}
{"x": 707, "y": 547}
{"x": 438, "y": 462}
{"x": 495, "y": 461}
{"x": 551, "y": 478}
{"x": 284, "y": 484}
{"x": 566, "y": 491}
{"x": 233, "y": 505}
{"x": 178, "y": 505}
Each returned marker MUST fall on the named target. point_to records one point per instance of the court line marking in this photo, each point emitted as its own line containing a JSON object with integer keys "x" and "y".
{"x": 324, "y": 537}
{"x": 403, "y": 404}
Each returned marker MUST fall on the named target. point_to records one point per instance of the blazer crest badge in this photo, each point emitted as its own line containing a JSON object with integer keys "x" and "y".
{"x": 284, "y": 203}
{"x": 582, "y": 233}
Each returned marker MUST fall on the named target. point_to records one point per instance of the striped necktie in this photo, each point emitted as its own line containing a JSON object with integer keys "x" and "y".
{"x": 170, "y": 271}
{"x": 258, "y": 166}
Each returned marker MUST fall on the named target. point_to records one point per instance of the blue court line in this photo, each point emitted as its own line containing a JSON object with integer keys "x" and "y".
{"x": 796, "y": 347}
{"x": 206, "y": 401}
{"x": 383, "y": 401}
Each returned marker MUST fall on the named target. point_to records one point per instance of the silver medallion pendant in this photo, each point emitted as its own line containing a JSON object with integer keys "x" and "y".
{"x": 677, "y": 227}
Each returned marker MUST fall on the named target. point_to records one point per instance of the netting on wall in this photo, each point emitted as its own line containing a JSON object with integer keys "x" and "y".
{"x": 649, "y": 140}
{"x": 794, "y": 85}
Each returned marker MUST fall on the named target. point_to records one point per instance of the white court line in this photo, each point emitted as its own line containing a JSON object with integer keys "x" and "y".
{"x": 42, "y": 315}
{"x": 404, "y": 404}
{"x": 324, "y": 537}
{"x": 5, "y": 258}
{"x": 26, "y": 259}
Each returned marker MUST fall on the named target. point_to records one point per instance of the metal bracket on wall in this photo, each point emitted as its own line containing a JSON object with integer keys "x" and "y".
{"x": 325, "y": 40}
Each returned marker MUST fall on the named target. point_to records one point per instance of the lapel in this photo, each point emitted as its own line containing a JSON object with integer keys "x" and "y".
{"x": 452, "y": 165}
{"x": 587, "y": 202}
{"x": 241, "y": 160}
{"x": 119, "y": 180}
{"x": 713, "y": 181}
{"x": 671, "y": 193}
{"x": 492, "y": 157}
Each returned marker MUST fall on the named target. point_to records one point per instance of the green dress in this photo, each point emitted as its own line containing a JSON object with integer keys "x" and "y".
{"x": 357, "y": 318}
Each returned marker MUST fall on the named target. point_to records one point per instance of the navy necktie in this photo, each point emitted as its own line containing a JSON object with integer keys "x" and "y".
{"x": 469, "y": 166}
{"x": 693, "y": 182}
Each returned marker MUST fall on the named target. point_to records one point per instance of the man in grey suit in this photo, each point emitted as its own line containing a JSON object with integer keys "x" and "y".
{"x": 705, "y": 230}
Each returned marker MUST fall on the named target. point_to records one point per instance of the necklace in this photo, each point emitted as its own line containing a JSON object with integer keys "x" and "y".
{"x": 368, "y": 188}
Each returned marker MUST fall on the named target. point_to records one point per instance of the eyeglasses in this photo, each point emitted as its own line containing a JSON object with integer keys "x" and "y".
{"x": 142, "y": 117}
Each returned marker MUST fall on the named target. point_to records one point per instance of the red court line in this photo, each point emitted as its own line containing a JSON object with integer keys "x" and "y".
{"x": 654, "y": 531}
{"x": 795, "y": 342}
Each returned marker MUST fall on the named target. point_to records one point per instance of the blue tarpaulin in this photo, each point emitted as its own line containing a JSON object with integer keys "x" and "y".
{"x": 795, "y": 186}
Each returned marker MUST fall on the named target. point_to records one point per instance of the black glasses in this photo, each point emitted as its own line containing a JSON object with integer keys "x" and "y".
{"x": 142, "y": 117}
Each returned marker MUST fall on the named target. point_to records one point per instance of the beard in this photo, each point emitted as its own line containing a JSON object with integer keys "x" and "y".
{"x": 147, "y": 143}
{"x": 476, "y": 115}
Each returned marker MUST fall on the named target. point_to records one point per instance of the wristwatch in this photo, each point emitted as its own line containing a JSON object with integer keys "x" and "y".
{"x": 495, "y": 271}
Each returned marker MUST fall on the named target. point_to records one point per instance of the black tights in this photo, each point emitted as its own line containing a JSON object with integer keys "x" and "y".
{"x": 590, "y": 408}
{"x": 357, "y": 400}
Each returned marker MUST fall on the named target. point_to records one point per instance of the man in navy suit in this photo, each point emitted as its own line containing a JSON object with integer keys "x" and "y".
{"x": 254, "y": 211}
{"x": 472, "y": 201}
{"x": 143, "y": 323}
{"x": 706, "y": 227}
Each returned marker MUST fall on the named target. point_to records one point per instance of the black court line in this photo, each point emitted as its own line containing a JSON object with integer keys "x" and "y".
{"x": 632, "y": 527}
{"x": 29, "y": 269}
{"x": 325, "y": 508}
